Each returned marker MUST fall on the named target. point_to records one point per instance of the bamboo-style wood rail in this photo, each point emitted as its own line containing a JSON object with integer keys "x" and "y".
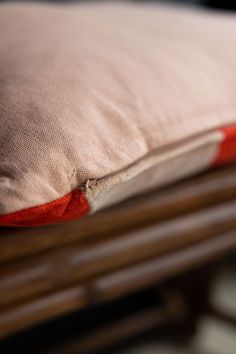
{"x": 50, "y": 271}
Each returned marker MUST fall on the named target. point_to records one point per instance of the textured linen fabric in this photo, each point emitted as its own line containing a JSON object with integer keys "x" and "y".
{"x": 88, "y": 90}
{"x": 157, "y": 169}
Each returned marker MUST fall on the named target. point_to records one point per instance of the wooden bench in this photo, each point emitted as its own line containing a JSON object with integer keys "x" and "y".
{"x": 145, "y": 242}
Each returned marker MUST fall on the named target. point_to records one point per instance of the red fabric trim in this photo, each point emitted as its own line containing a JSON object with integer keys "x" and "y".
{"x": 227, "y": 149}
{"x": 71, "y": 206}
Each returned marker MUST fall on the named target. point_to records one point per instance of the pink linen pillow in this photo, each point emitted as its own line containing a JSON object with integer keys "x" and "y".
{"x": 100, "y": 102}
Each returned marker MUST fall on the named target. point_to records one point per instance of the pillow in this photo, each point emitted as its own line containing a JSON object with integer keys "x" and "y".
{"x": 99, "y": 102}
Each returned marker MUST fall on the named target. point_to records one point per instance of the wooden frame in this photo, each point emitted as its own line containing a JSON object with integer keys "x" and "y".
{"x": 52, "y": 271}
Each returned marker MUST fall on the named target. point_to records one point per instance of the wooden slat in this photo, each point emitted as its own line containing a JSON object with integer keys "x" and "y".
{"x": 41, "y": 310}
{"x": 116, "y": 284}
{"x": 60, "y": 268}
{"x": 143, "y": 275}
{"x": 50, "y": 271}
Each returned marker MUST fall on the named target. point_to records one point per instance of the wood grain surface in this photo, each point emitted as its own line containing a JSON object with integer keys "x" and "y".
{"x": 50, "y": 271}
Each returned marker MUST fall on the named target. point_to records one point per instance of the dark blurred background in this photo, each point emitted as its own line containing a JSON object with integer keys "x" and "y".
{"x": 221, "y": 4}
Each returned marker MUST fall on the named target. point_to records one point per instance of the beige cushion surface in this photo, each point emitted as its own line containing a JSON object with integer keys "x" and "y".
{"x": 86, "y": 91}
